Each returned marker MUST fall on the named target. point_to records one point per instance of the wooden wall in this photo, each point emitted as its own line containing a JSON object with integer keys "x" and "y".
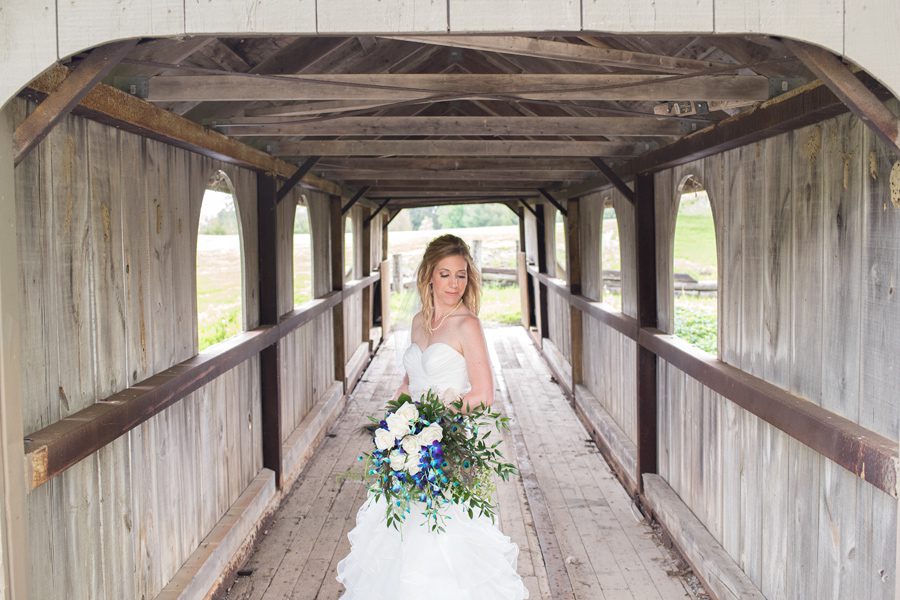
{"x": 808, "y": 255}
{"x": 609, "y": 356}
{"x": 107, "y": 226}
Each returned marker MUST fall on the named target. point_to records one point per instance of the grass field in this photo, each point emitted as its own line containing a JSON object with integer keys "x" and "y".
{"x": 219, "y": 276}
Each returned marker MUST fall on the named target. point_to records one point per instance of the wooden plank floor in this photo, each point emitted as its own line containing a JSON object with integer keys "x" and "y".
{"x": 579, "y": 537}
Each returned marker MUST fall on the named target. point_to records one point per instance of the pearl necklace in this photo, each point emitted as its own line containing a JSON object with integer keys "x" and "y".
{"x": 444, "y": 318}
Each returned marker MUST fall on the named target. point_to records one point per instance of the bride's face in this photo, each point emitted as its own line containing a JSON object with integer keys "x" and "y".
{"x": 448, "y": 280}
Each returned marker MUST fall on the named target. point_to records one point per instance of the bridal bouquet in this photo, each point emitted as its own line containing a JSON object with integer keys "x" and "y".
{"x": 428, "y": 453}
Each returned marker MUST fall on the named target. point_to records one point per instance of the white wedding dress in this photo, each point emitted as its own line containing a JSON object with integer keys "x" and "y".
{"x": 470, "y": 560}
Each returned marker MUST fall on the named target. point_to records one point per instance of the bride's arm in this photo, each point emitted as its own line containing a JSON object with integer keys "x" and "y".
{"x": 478, "y": 364}
{"x": 404, "y": 387}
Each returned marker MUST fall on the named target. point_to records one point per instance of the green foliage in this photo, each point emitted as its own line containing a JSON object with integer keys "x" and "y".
{"x": 695, "y": 321}
{"x": 213, "y": 332}
{"x": 224, "y": 223}
{"x": 695, "y": 246}
{"x": 467, "y": 215}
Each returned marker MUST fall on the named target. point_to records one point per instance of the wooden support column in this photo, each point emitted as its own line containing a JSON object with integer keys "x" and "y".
{"x": 336, "y": 238}
{"x": 573, "y": 272}
{"x": 13, "y": 540}
{"x": 385, "y": 279}
{"x": 269, "y": 361}
{"x": 645, "y": 239}
{"x": 541, "y": 304}
{"x": 526, "y": 292}
{"x": 367, "y": 298}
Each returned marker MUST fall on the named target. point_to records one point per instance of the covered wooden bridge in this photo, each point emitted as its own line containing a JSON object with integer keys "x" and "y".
{"x": 134, "y": 466}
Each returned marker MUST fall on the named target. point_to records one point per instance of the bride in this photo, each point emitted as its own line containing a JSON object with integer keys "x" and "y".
{"x": 471, "y": 559}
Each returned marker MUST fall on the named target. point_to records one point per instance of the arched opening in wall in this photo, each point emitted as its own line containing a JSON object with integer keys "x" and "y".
{"x": 560, "y": 252}
{"x": 303, "y": 284}
{"x": 349, "y": 251}
{"x": 220, "y": 264}
{"x": 695, "y": 267}
{"x": 611, "y": 257}
{"x": 492, "y": 233}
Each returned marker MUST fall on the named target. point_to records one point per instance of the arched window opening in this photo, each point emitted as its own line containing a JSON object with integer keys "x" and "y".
{"x": 219, "y": 265}
{"x": 303, "y": 285}
{"x": 560, "y": 237}
{"x": 611, "y": 258}
{"x": 695, "y": 268}
{"x": 349, "y": 250}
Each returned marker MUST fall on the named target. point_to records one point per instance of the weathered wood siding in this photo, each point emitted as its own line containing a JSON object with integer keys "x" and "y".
{"x": 609, "y": 356}
{"x": 108, "y": 231}
{"x": 808, "y": 255}
{"x": 560, "y": 325}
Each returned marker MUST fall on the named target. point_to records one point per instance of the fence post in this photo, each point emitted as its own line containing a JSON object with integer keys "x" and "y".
{"x": 396, "y": 274}
{"x": 269, "y": 358}
{"x": 648, "y": 317}
{"x": 476, "y": 253}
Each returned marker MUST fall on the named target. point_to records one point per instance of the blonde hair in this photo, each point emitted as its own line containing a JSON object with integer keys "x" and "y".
{"x": 439, "y": 249}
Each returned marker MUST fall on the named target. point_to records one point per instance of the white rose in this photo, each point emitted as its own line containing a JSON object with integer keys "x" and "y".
{"x": 397, "y": 425}
{"x": 408, "y": 411}
{"x": 384, "y": 439}
{"x": 432, "y": 433}
{"x": 412, "y": 463}
{"x": 449, "y": 396}
{"x": 411, "y": 445}
{"x": 398, "y": 460}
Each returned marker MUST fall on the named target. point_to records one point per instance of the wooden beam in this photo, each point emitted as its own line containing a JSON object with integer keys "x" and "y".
{"x": 455, "y": 148}
{"x": 294, "y": 179}
{"x": 614, "y": 178}
{"x": 367, "y": 316}
{"x": 804, "y": 106}
{"x": 269, "y": 357}
{"x": 456, "y": 125}
{"x": 647, "y": 393}
{"x": 553, "y": 201}
{"x": 852, "y": 92}
{"x": 375, "y": 214}
{"x": 359, "y": 194}
{"x": 114, "y": 107}
{"x": 400, "y": 87}
{"x": 442, "y": 165}
{"x": 301, "y": 109}
{"x": 67, "y": 95}
{"x": 411, "y": 175}
{"x": 548, "y": 49}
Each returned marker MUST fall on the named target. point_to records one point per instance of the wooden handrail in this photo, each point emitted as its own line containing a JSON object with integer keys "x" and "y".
{"x": 55, "y": 448}
{"x": 865, "y": 453}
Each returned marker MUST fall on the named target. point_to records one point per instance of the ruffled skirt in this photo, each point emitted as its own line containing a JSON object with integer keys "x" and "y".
{"x": 470, "y": 560}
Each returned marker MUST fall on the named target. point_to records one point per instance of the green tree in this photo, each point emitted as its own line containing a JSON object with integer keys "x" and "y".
{"x": 224, "y": 223}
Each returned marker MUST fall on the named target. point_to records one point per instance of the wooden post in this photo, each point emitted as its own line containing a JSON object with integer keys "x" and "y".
{"x": 541, "y": 304}
{"x": 269, "y": 361}
{"x": 573, "y": 270}
{"x": 366, "y": 243}
{"x": 336, "y": 237}
{"x": 645, "y": 238}
{"x": 385, "y": 279}
{"x": 13, "y": 540}
{"x": 526, "y": 285}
